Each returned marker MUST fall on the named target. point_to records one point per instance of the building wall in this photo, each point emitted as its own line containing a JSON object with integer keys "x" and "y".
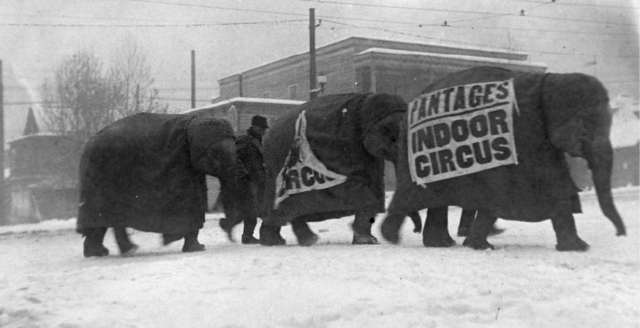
{"x": 338, "y": 63}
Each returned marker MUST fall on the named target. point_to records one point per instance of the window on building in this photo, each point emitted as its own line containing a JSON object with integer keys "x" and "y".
{"x": 293, "y": 91}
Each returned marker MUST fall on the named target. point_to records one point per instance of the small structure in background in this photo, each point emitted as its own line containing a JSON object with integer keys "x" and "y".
{"x": 42, "y": 183}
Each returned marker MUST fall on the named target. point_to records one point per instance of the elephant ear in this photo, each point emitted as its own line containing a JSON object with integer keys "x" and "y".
{"x": 211, "y": 146}
{"x": 576, "y": 106}
{"x": 378, "y": 106}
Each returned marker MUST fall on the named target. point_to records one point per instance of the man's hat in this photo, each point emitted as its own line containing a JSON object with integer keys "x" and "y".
{"x": 260, "y": 121}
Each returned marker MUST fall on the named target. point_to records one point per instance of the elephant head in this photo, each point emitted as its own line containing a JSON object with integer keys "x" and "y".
{"x": 578, "y": 122}
{"x": 212, "y": 151}
{"x": 381, "y": 116}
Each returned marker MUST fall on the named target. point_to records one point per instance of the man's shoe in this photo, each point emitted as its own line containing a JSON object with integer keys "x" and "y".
{"x": 249, "y": 240}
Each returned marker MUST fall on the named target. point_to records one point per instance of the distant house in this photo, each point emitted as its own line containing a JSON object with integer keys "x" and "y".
{"x": 42, "y": 183}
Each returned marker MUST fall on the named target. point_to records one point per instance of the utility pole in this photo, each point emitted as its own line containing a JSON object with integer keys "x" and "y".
{"x": 193, "y": 79}
{"x": 3, "y": 203}
{"x": 313, "y": 93}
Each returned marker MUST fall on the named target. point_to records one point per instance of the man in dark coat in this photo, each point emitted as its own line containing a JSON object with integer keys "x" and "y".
{"x": 249, "y": 151}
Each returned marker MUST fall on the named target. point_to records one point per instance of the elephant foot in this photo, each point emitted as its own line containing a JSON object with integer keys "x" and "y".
{"x": 249, "y": 240}
{"x": 91, "y": 249}
{"x": 442, "y": 240}
{"x": 129, "y": 250}
{"x": 170, "y": 238}
{"x": 305, "y": 236}
{"x": 92, "y": 245}
{"x": 577, "y": 245}
{"x": 308, "y": 240}
{"x": 191, "y": 243}
{"x": 226, "y": 227}
{"x": 270, "y": 236}
{"x": 192, "y": 247}
{"x": 126, "y": 247}
{"x": 359, "y": 239}
{"x": 477, "y": 244}
{"x": 390, "y": 229}
{"x": 464, "y": 232}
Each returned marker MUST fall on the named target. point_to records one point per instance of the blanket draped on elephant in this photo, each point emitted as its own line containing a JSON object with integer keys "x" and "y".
{"x": 525, "y": 191}
{"x": 138, "y": 173}
{"x": 334, "y": 130}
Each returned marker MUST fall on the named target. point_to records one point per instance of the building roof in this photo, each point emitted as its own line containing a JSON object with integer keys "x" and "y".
{"x": 247, "y": 100}
{"x": 487, "y": 60}
{"x": 350, "y": 42}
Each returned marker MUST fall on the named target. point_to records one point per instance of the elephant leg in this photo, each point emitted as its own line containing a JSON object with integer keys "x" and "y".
{"x": 564, "y": 224}
{"x": 247, "y": 233}
{"x": 270, "y": 235}
{"x": 436, "y": 228}
{"x": 466, "y": 218}
{"x": 479, "y": 231}
{"x": 93, "y": 242}
{"x": 362, "y": 230}
{"x": 125, "y": 245}
{"x": 305, "y": 236}
{"x": 390, "y": 227}
{"x": 191, "y": 243}
{"x": 417, "y": 221}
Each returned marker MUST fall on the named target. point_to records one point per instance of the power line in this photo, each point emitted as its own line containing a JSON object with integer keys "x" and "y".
{"x": 522, "y": 14}
{"x": 148, "y": 25}
{"x": 449, "y": 25}
{"x": 218, "y": 7}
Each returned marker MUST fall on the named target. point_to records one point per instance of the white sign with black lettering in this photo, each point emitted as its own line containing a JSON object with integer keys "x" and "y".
{"x": 461, "y": 130}
{"x": 302, "y": 170}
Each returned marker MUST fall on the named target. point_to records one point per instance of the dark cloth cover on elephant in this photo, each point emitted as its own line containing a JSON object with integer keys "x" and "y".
{"x": 334, "y": 132}
{"x": 526, "y": 191}
{"x": 138, "y": 173}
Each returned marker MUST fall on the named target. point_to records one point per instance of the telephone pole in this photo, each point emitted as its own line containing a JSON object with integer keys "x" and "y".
{"x": 193, "y": 79}
{"x": 3, "y": 208}
{"x": 313, "y": 93}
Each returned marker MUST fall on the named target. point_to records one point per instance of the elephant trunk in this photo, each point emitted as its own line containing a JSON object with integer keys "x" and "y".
{"x": 600, "y": 158}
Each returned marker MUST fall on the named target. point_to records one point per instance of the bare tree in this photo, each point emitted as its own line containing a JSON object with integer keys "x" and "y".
{"x": 131, "y": 70}
{"x": 84, "y": 97}
{"x": 80, "y": 100}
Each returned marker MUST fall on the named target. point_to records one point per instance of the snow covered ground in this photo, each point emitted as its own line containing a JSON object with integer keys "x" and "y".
{"x": 525, "y": 282}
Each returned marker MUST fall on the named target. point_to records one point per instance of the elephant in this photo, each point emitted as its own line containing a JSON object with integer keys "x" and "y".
{"x": 495, "y": 140}
{"x": 147, "y": 172}
{"x": 325, "y": 160}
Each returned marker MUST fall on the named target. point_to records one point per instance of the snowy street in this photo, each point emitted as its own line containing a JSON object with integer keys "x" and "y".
{"x": 46, "y": 282}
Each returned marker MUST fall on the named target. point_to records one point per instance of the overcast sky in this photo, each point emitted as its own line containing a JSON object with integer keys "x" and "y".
{"x": 230, "y": 36}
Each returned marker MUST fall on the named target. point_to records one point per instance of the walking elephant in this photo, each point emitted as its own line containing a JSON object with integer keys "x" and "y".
{"x": 147, "y": 172}
{"x": 325, "y": 160}
{"x": 494, "y": 140}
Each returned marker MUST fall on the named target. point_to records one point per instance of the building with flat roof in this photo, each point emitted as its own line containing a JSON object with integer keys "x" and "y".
{"x": 358, "y": 64}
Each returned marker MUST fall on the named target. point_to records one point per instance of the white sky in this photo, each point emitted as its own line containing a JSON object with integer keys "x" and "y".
{"x": 230, "y": 36}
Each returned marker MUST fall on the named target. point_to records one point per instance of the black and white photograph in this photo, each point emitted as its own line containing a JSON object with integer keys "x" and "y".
{"x": 319, "y": 163}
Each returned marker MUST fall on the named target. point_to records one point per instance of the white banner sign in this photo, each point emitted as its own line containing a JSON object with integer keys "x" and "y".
{"x": 461, "y": 130}
{"x": 302, "y": 171}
